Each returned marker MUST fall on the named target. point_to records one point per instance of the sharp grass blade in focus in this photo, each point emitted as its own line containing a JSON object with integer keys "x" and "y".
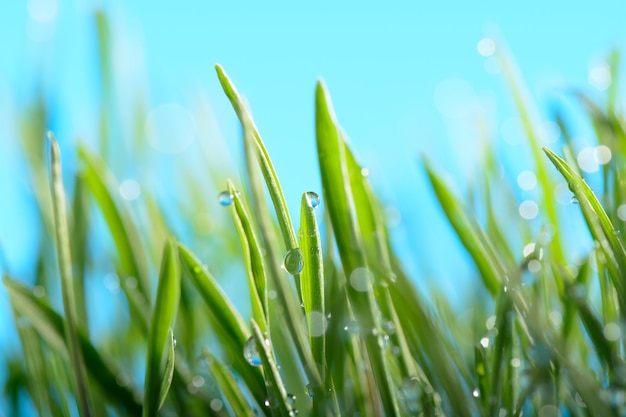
{"x": 164, "y": 312}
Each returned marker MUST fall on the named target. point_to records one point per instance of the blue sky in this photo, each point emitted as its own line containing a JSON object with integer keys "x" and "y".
{"x": 403, "y": 76}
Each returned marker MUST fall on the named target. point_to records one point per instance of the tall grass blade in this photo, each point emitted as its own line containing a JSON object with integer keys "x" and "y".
{"x": 164, "y": 313}
{"x": 67, "y": 282}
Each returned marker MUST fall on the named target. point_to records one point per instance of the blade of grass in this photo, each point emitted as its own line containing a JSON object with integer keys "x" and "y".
{"x": 168, "y": 372}
{"x": 67, "y": 282}
{"x": 253, "y": 259}
{"x": 122, "y": 230}
{"x": 51, "y": 327}
{"x": 230, "y": 326}
{"x": 339, "y": 198}
{"x": 469, "y": 232}
{"x": 228, "y": 385}
{"x": 164, "y": 312}
{"x": 599, "y": 224}
{"x": 277, "y": 399}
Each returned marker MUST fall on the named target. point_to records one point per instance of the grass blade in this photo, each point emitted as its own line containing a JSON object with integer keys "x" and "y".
{"x": 599, "y": 224}
{"x": 469, "y": 232}
{"x": 340, "y": 203}
{"x": 312, "y": 279}
{"x": 232, "y": 330}
{"x": 124, "y": 234}
{"x": 228, "y": 385}
{"x": 51, "y": 327}
{"x": 165, "y": 307}
{"x": 255, "y": 269}
{"x": 277, "y": 393}
{"x": 168, "y": 372}
{"x": 67, "y": 281}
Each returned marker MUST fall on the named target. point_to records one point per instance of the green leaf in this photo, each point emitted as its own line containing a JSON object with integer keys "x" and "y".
{"x": 599, "y": 224}
{"x": 469, "y": 232}
{"x": 235, "y": 398}
{"x": 312, "y": 280}
{"x": 277, "y": 393}
{"x": 168, "y": 372}
{"x": 67, "y": 282}
{"x": 126, "y": 238}
{"x": 232, "y": 331}
{"x": 164, "y": 313}
{"x": 51, "y": 327}
{"x": 253, "y": 259}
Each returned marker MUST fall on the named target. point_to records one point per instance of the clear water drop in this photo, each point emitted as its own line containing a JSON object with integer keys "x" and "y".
{"x": 309, "y": 390}
{"x": 313, "y": 199}
{"x": 573, "y": 200}
{"x": 352, "y": 327}
{"x": 476, "y": 393}
{"x": 266, "y": 403}
{"x": 291, "y": 399}
{"x": 225, "y": 198}
{"x": 293, "y": 412}
{"x": 174, "y": 342}
{"x": 292, "y": 261}
{"x": 250, "y": 353}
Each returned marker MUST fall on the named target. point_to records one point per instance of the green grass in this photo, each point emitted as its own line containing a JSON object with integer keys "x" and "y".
{"x": 335, "y": 325}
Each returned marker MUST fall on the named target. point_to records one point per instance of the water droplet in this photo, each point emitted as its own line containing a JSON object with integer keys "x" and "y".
{"x": 317, "y": 323}
{"x": 291, "y": 399}
{"x": 612, "y": 332}
{"x": 476, "y": 393}
{"x": 39, "y": 291}
{"x": 313, "y": 199}
{"x": 309, "y": 390}
{"x": 484, "y": 342}
{"x": 383, "y": 341}
{"x": 216, "y": 404}
{"x": 365, "y": 172}
{"x": 250, "y": 353}
{"x": 197, "y": 381}
{"x": 197, "y": 269}
{"x": 174, "y": 342}
{"x": 225, "y": 198}
{"x": 293, "y": 412}
{"x": 266, "y": 403}
{"x": 352, "y": 327}
{"x": 361, "y": 279}
{"x": 395, "y": 350}
{"x": 516, "y": 362}
{"x": 292, "y": 261}
{"x": 389, "y": 326}
{"x": 573, "y": 200}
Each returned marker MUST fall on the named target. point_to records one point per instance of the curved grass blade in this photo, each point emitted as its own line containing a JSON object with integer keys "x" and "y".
{"x": 285, "y": 296}
{"x": 599, "y": 224}
{"x": 165, "y": 308}
{"x": 232, "y": 331}
{"x": 67, "y": 283}
{"x": 124, "y": 234}
{"x": 277, "y": 394}
{"x": 228, "y": 385}
{"x": 51, "y": 327}
{"x": 469, "y": 232}
{"x": 255, "y": 269}
{"x": 267, "y": 168}
{"x": 168, "y": 372}
{"x": 340, "y": 202}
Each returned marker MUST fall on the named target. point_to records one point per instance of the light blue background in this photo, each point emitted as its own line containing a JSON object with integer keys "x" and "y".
{"x": 383, "y": 63}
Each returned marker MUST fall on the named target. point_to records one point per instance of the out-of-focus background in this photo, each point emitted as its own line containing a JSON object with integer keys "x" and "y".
{"x": 407, "y": 79}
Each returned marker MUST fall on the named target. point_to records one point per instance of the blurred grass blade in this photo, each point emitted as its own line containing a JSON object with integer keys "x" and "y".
{"x": 168, "y": 372}
{"x": 228, "y": 385}
{"x": 51, "y": 327}
{"x": 312, "y": 279}
{"x": 599, "y": 224}
{"x": 67, "y": 282}
{"x": 122, "y": 230}
{"x": 469, "y": 232}
{"x": 253, "y": 259}
{"x": 164, "y": 312}
{"x": 277, "y": 394}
